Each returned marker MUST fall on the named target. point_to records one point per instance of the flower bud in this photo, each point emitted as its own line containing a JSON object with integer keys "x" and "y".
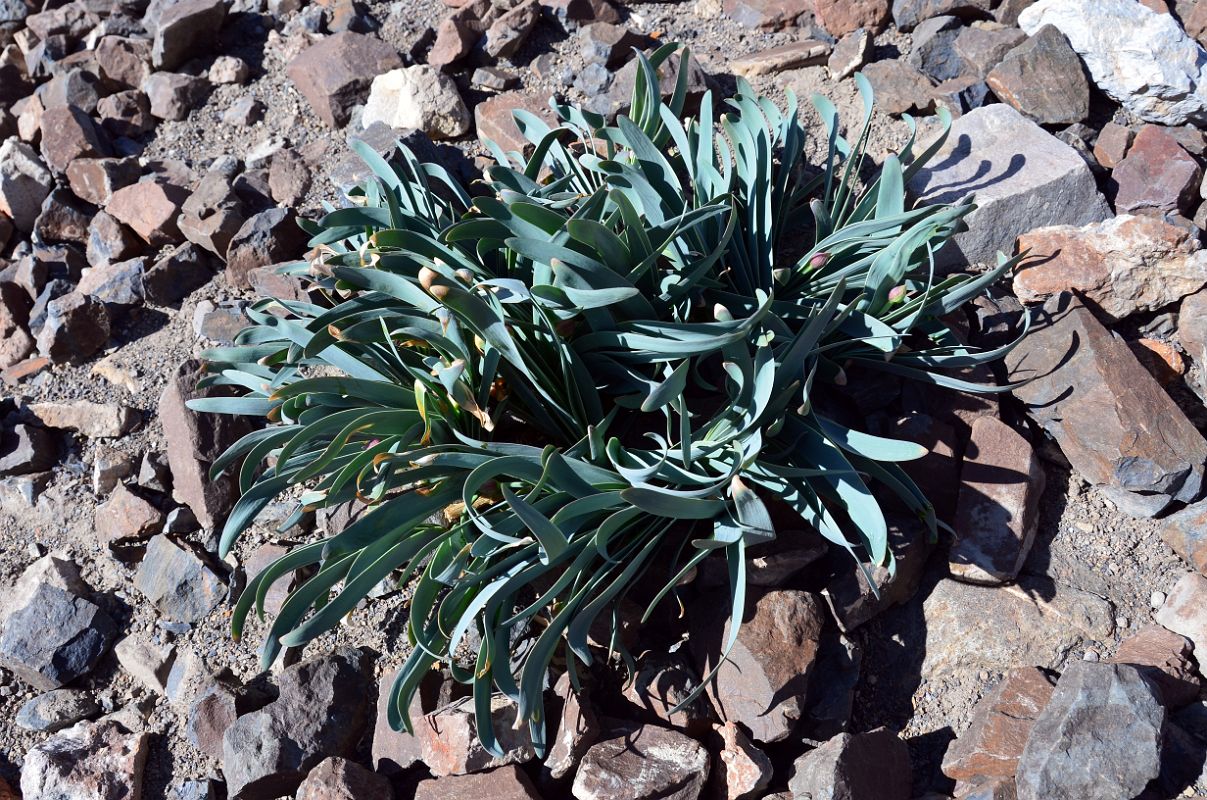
{"x": 896, "y": 295}
{"x": 818, "y": 260}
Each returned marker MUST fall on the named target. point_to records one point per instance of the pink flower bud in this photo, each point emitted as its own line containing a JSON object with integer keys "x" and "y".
{"x": 818, "y": 260}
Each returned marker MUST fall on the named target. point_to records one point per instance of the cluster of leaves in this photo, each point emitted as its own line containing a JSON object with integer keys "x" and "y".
{"x": 587, "y": 378}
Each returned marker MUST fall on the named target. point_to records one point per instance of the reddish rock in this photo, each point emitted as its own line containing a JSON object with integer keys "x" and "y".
{"x": 853, "y": 602}
{"x": 213, "y": 214}
{"x": 741, "y": 770}
{"x": 89, "y": 419}
{"x": 335, "y": 73}
{"x": 125, "y": 518}
{"x": 899, "y": 88}
{"x": 449, "y": 741}
{"x": 395, "y": 751}
{"x": 871, "y": 765}
{"x": 577, "y": 730}
{"x": 124, "y": 63}
{"x": 661, "y": 683}
{"x": 505, "y": 783}
{"x": 767, "y": 14}
{"x": 1161, "y": 359}
{"x": 340, "y": 779}
{"x": 494, "y": 120}
{"x": 507, "y": 34}
{"x": 1043, "y": 78}
{"x": 1001, "y": 722}
{"x": 840, "y": 17}
{"x": 96, "y": 179}
{"x": 982, "y": 47}
{"x": 998, "y": 507}
{"x": 150, "y": 208}
{"x": 1125, "y": 265}
{"x": 1186, "y": 533}
{"x": 67, "y": 134}
{"x": 1185, "y": 610}
{"x": 1112, "y": 144}
{"x": 269, "y": 237}
{"x": 649, "y": 762}
{"x": 109, "y": 241}
{"x": 582, "y": 11}
{"x": 1164, "y": 658}
{"x": 125, "y": 114}
{"x": 1157, "y": 176}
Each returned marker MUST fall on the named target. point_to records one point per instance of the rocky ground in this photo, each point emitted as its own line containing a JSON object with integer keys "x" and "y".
{"x": 155, "y": 157}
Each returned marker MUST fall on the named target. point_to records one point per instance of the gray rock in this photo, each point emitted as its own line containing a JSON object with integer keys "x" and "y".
{"x": 851, "y": 766}
{"x": 101, "y": 761}
{"x": 173, "y": 95}
{"x": 118, "y": 285}
{"x": 1022, "y": 177}
{"x": 145, "y": 662}
{"x": 1043, "y": 78}
{"x": 178, "y": 582}
{"x": 909, "y": 13}
{"x": 1099, "y": 738}
{"x": 170, "y": 279}
{"x": 56, "y": 709}
{"x": 934, "y": 52}
{"x": 270, "y": 237}
{"x": 321, "y": 711}
{"x": 24, "y": 183}
{"x": 186, "y": 29}
{"x": 76, "y": 327}
{"x": 54, "y": 638}
{"x": 26, "y": 449}
{"x": 651, "y": 762}
{"x": 1185, "y": 610}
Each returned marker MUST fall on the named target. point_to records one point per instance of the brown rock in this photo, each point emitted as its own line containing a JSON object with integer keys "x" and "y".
{"x": 874, "y": 764}
{"x": 93, "y": 420}
{"x": 269, "y": 237}
{"x": 998, "y": 507}
{"x": 76, "y": 327}
{"x": 67, "y": 134}
{"x": 124, "y": 63}
{"x": 1157, "y": 176}
{"x": 96, "y": 179}
{"x": 172, "y": 278}
{"x": 1144, "y": 451}
{"x": 762, "y": 684}
{"x": 186, "y": 29}
{"x": 1001, "y": 722}
{"x": 741, "y": 770}
{"x": 649, "y": 762}
{"x": 395, "y": 751}
{"x": 767, "y": 14}
{"x": 504, "y": 783}
{"x": 173, "y": 95}
{"x": 1186, "y": 533}
{"x": 507, "y": 34}
{"x": 212, "y": 214}
{"x": 1044, "y": 79}
{"x": 459, "y": 32}
{"x": 582, "y": 10}
{"x": 150, "y": 208}
{"x": 899, "y": 87}
{"x": 288, "y": 178}
{"x": 1112, "y": 144}
{"x": 661, "y": 683}
{"x": 340, "y": 779}
{"x": 15, "y": 340}
{"x": 852, "y": 601}
{"x": 609, "y": 44}
{"x": 1161, "y": 359}
{"x": 449, "y": 741}
{"x": 806, "y": 53}
{"x": 577, "y": 730}
{"x": 1185, "y": 610}
{"x": 494, "y": 121}
{"x": 1125, "y": 265}
{"x": 335, "y": 73}
{"x": 125, "y": 114}
{"x": 1164, "y": 658}
{"x": 982, "y": 46}
{"x": 840, "y": 17}
{"x": 110, "y": 242}
{"x": 125, "y": 518}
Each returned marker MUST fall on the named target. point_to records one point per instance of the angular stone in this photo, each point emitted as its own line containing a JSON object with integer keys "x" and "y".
{"x": 982, "y": 47}
{"x": 289, "y": 177}
{"x": 661, "y": 683}
{"x": 419, "y": 97}
{"x": 763, "y": 682}
{"x": 741, "y": 770}
{"x": 15, "y": 341}
{"x": 24, "y": 183}
{"x": 340, "y": 779}
{"x": 394, "y": 751}
{"x": 1139, "y": 58}
{"x": 93, "y": 420}
{"x": 998, "y": 508}
{"x": 124, "y": 63}
{"x": 504, "y": 783}
{"x": 507, "y": 34}
{"x": 1112, "y": 144}
{"x": 899, "y": 87}
{"x": 493, "y": 79}
{"x": 54, "y": 638}
{"x": 1001, "y": 722}
{"x": 96, "y": 179}
{"x": 178, "y": 582}
{"x": 493, "y": 119}
{"x": 64, "y": 218}
{"x": 908, "y": 13}
{"x": 840, "y": 17}
{"x": 213, "y": 213}
{"x": 1164, "y": 658}
{"x": 1125, "y": 265}
{"x": 125, "y": 518}
{"x": 1185, "y": 610}
{"x": 334, "y": 74}
{"x": 577, "y": 730}
{"x": 102, "y": 761}
{"x": 76, "y": 327}
{"x": 1157, "y": 176}
{"x": 651, "y": 762}
{"x": 934, "y": 50}
{"x": 806, "y": 53}
{"x": 269, "y": 237}
{"x": 125, "y": 114}
{"x": 146, "y": 662}
{"x": 1098, "y": 738}
{"x": 173, "y": 95}
{"x": 119, "y": 285}
{"x": 582, "y": 11}
{"x": 1043, "y": 78}
{"x": 186, "y": 28}
{"x": 172, "y": 278}
{"x": 852, "y": 601}
{"x": 851, "y": 53}
{"x": 1186, "y": 532}
{"x": 448, "y": 738}
{"x": 609, "y": 44}
{"x": 1144, "y": 451}
{"x": 51, "y": 570}
{"x": 766, "y": 14}
{"x": 55, "y": 710}
{"x": 1022, "y": 176}
{"x": 321, "y": 711}
{"x": 971, "y": 628}
{"x": 211, "y": 714}
{"x": 26, "y": 449}
{"x": 874, "y": 764}
{"x": 150, "y": 208}
{"x": 69, "y": 133}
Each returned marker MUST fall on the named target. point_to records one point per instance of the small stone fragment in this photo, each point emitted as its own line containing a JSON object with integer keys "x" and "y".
{"x": 55, "y": 710}
{"x": 806, "y": 53}
{"x": 419, "y": 97}
{"x": 178, "y": 582}
{"x": 850, "y": 54}
{"x": 504, "y": 783}
{"x": 1185, "y": 610}
{"x": 1001, "y": 723}
{"x": 93, "y": 420}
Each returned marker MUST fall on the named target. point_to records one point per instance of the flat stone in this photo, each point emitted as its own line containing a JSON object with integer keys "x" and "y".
{"x": 1157, "y": 176}
{"x": 419, "y": 97}
{"x": 55, "y": 710}
{"x": 321, "y": 711}
{"x": 449, "y": 743}
{"x": 874, "y": 764}
{"x": 1043, "y": 78}
{"x": 340, "y": 779}
{"x": 101, "y": 760}
{"x": 970, "y": 628}
{"x": 1099, "y": 737}
{"x": 186, "y": 29}
{"x": 982, "y": 46}
{"x": 69, "y": 133}
{"x": 1143, "y": 451}
{"x": 806, "y": 53}
{"x": 766, "y": 14}
{"x": 1125, "y": 265}
{"x": 54, "y": 638}
{"x": 1022, "y": 177}
{"x": 853, "y": 602}
{"x": 76, "y": 327}
{"x": 504, "y": 783}
{"x": 334, "y": 74}
{"x": 850, "y": 53}
{"x": 840, "y": 17}
{"x": 1001, "y": 722}
{"x": 763, "y": 682}
{"x": 150, "y": 209}
{"x": 1185, "y": 610}
{"x": 178, "y": 582}
{"x": 289, "y": 177}
{"x": 1164, "y": 658}
{"x": 899, "y": 87}
{"x": 651, "y": 762}
{"x": 87, "y": 418}
{"x": 270, "y": 237}
{"x": 493, "y": 118}
{"x": 1138, "y": 58}
{"x": 494, "y": 79}
{"x": 211, "y": 713}
{"x": 24, "y": 183}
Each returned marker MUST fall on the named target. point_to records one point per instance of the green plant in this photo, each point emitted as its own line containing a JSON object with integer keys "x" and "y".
{"x": 601, "y": 369}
